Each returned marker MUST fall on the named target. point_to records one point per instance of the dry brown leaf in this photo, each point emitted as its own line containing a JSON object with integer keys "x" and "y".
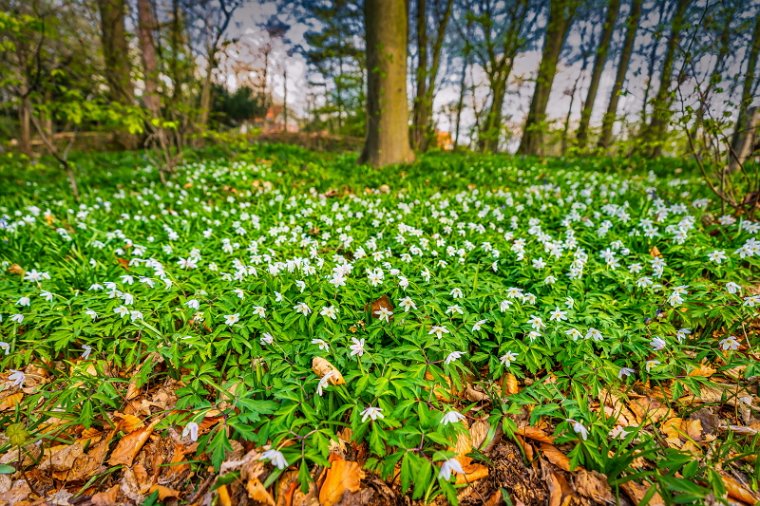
{"x": 509, "y": 384}
{"x": 87, "y": 465}
{"x": 636, "y": 492}
{"x": 106, "y": 498}
{"x": 342, "y": 476}
{"x": 555, "y": 456}
{"x": 593, "y": 485}
{"x": 559, "y": 491}
{"x": 535, "y": 434}
{"x": 10, "y": 401}
{"x": 475, "y": 395}
{"x": 472, "y": 471}
{"x": 224, "y": 496}
{"x": 384, "y": 302}
{"x": 320, "y": 366}
{"x": 128, "y": 423}
{"x": 702, "y": 370}
{"x": 647, "y": 409}
{"x": 257, "y": 492}
{"x": 736, "y": 490}
{"x": 164, "y": 492}
{"x": 60, "y": 458}
{"x": 655, "y": 252}
{"x": 479, "y": 432}
{"x": 16, "y": 269}
{"x": 130, "y": 445}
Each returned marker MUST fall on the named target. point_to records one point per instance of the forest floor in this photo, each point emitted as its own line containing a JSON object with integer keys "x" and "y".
{"x": 276, "y": 326}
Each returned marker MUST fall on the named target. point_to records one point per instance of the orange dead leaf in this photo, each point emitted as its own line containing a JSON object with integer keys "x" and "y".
{"x": 106, "y": 498}
{"x": 479, "y": 432}
{"x": 702, "y": 370}
{"x": 535, "y": 434}
{"x": 509, "y": 384}
{"x": 124, "y": 263}
{"x": 257, "y": 492}
{"x": 655, "y": 252}
{"x": 555, "y": 456}
{"x": 472, "y": 471}
{"x": 130, "y": 445}
{"x": 128, "y": 423}
{"x": 16, "y": 269}
{"x": 636, "y": 493}
{"x": 594, "y": 486}
{"x": 736, "y": 490}
{"x": 164, "y": 492}
{"x": 224, "y": 496}
{"x": 320, "y": 366}
{"x": 342, "y": 476}
{"x": 384, "y": 302}
{"x": 10, "y": 401}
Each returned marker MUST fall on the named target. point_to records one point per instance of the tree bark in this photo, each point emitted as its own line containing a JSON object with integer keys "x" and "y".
{"x": 427, "y": 73}
{"x": 624, "y": 62}
{"x": 561, "y": 13}
{"x": 657, "y": 129}
{"x": 596, "y": 73}
{"x": 743, "y": 131}
{"x": 116, "y": 57}
{"x": 387, "y": 139}
{"x": 25, "y": 125}
{"x": 460, "y": 101}
{"x": 652, "y": 63}
{"x": 146, "y": 26}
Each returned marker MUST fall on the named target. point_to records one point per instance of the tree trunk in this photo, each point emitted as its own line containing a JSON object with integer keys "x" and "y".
{"x": 285, "y": 97}
{"x": 656, "y": 131}
{"x": 596, "y": 72}
{"x": 25, "y": 125}
{"x": 460, "y": 101}
{"x": 146, "y": 24}
{"x": 387, "y": 139}
{"x": 561, "y": 13}
{"x": 488, "y": 140}
{"x": 116, "y": 57}
{"x": 743, "y": 132}
{"x": 426, "y": 74}
{"x": 624, "y": 62}
{"x": 652, "y": 62}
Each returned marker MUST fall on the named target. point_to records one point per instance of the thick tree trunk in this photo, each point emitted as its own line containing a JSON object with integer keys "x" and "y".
{"x": 116, "y": 57}
{"x": 561, "y": 14}
{"x": 596, "y": 72}
{"x": 387, "y": 110}
{"x": 656, "y": 131}
{"x": 624, "y": 62}
{"x": 743, "y": 132}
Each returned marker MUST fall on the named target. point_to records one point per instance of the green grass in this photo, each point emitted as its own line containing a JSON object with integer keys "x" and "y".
{"x": 553, "y": 257}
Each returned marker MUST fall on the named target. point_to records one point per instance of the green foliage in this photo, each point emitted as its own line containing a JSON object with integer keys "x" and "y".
{"x": 529, "y": 267}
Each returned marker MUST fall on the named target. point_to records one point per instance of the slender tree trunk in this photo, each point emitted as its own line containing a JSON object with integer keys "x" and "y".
{"x": 652, "y": 63}
{"x": 419, "y": 121}
{"x": 489, "y": 137}
{"x": 561, "y": 14}
{"x": 596, "y": 72}
{"x": 285, "y": 97}
{"x": 205, "y": 102}
{"x": 743, "y": 131}
{"x": 460, "y": 101}
{"x": 25, "y": 125}
{"x": 146, "y": 25}
{"x": 624, "y": 62}
{"x": 387, "y": 110}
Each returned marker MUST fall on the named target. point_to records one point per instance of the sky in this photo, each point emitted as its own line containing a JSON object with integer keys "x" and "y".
{"x": 249, "y": 18}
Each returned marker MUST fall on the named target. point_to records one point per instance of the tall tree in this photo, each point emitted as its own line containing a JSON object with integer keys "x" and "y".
{"x": 596, "y": 72}
{"x": 561, "y": 13}
{"x": 632, "y": 25}
{"x": 495, "y": 31}
{"x": 387, "y": 139}
{"x": 113, "y": 37}
{"x": 747, "y": 119}
{"x": 655, "y": 131}
{"x": 429, "y": 49}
